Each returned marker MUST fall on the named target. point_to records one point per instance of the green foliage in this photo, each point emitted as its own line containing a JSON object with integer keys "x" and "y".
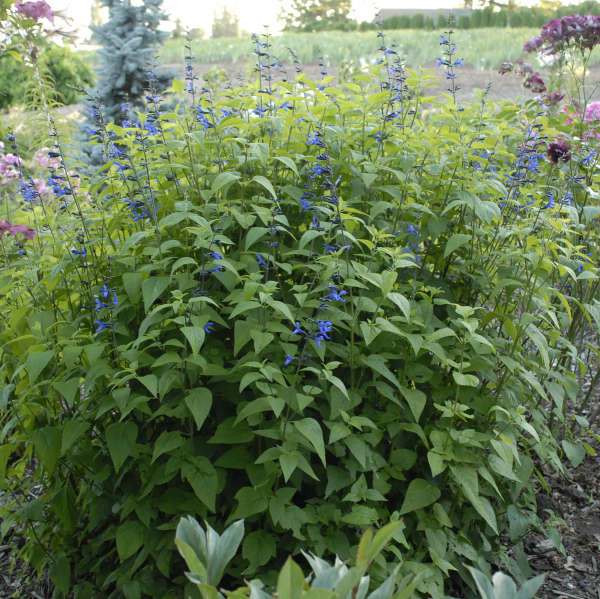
{"x": 313, "y": 308}
{"x": 317, "y": 15}
{"x": 326, "y": 581}
{"x": 226, "y": 24}
{"x": 66, "y": 71}
{"x": 502, "y": 586}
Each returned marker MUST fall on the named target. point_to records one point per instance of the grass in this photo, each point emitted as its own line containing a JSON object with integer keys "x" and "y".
{"x": 482, "y": 48}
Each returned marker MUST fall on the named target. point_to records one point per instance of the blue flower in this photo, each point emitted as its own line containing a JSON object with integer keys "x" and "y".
{"x": 208, "y": 327}
{"x": 588, "y": 158}
{"x": 99, "y": 305}
{"x": 336, "y": 295}
{"x": 288, "y": 360}
{"x": 81, "y": 253}
{"x": 298, "y": 330}
{"x": 315, "y": 140}
{"x": 105, "y": 291}
{"x": 325, "y": 327}
{"x": 305, "y": 204}
{"x": 101, "y": 325}
{"x": 215, "y": 255}
{"x": 259, "y": 260}
{"x": 218, "y": 268}
{"x": 115, "y": 301}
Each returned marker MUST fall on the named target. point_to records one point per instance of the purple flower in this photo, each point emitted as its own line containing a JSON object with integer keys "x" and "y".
{"x": 559, "y": 149}
{"x": 535, "y": 83}
{"x": 35, "y": 10}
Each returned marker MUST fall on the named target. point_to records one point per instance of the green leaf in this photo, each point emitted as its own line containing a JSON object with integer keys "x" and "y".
{"x": 289, "y": 163}
{"x": 416, "y": 401}
{"x": 266, "y": 184}
{"x": 202, "y": 477}
{"x": 129, "y": 538}
{"x": 377, "y": 363}
{"x": 166, "y": 442}
{"x": 199, "y": 403}
{"x": 466, "y": 478}
{"x": 36, "y": 362}
{"x": 72, "y": 430}
{"x": 120, "y": 438}
{"x": 401, "y": 302}
{"x": 132, "y": 283}
{"x": 574, "y": 451}
{"x": 224, "y": 180}
{"x": 195, "y": 337}
{"x": 253, "y": 235}
{"x": 47, "y": 446}
{"x": 289, "y": 463}
{"x": 465, "y": 380}
{"x": 311, "y": 429}
{"x": 419, "y": 494}
{"x": 150, "y": 381}
{"x": 250, "y": 501}
{"x": 258, "y": 548}
{"x": 60, "y": 573}
{"x": 290, "y": 581}
{"x": 152, "y": 289}
{"x": 68, "y": 389}
{"x": 455, "y": 242}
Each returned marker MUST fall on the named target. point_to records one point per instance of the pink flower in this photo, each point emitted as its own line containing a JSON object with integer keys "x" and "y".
{"x": 23, "y": 230}
{"x": 5, "y": 227}
{"x": 35, "y": 10}
{"x": 592, "y": 112}
{"x": 42, "y": 157}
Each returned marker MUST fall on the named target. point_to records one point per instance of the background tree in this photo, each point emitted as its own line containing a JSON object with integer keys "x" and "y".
{"x": 130, "y": 39}
{"x": 317, "y": 15}
{"x": 226, "y": 24}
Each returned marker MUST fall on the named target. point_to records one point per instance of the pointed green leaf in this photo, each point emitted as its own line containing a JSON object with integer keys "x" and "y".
{"x": 199, "y": 403}
{"x": 72, "y": 430}
{"x": 129, "y": 538}
{"x": 152, "y": 289}
{"x": 266, "y": 184}
{"x": 167, "y": 442}
{"x": 419, "y": 494}
{"x": 311, "y": 429}
{"x": 36, "y": 362}
{"x": 290, "y": 581}
{"x": 195, "y": 337}
{"x": 120, "y": 439}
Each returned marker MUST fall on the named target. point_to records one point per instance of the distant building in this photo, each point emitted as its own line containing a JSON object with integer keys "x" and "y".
{"x": 434, "y": 13}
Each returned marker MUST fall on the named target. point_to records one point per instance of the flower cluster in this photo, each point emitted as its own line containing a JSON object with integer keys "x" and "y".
{"x": 35, "y": 10}
{"x": 558, "y": 34}
{"x": 103, "y": 305}
{"x": 559, "y": 150}
{"x": 9, "y": 167}
{"x": 7, "y": 227}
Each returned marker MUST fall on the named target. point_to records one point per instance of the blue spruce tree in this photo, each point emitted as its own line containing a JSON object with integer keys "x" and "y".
{"x": 130, "y": 39}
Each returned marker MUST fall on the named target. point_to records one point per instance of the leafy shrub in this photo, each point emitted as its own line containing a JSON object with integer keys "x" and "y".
{"x": 313, "y": 308}
{"x": 67, "y": 72}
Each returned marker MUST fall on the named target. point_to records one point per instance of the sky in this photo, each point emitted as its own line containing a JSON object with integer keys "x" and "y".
{"x": 254, "y": 14}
